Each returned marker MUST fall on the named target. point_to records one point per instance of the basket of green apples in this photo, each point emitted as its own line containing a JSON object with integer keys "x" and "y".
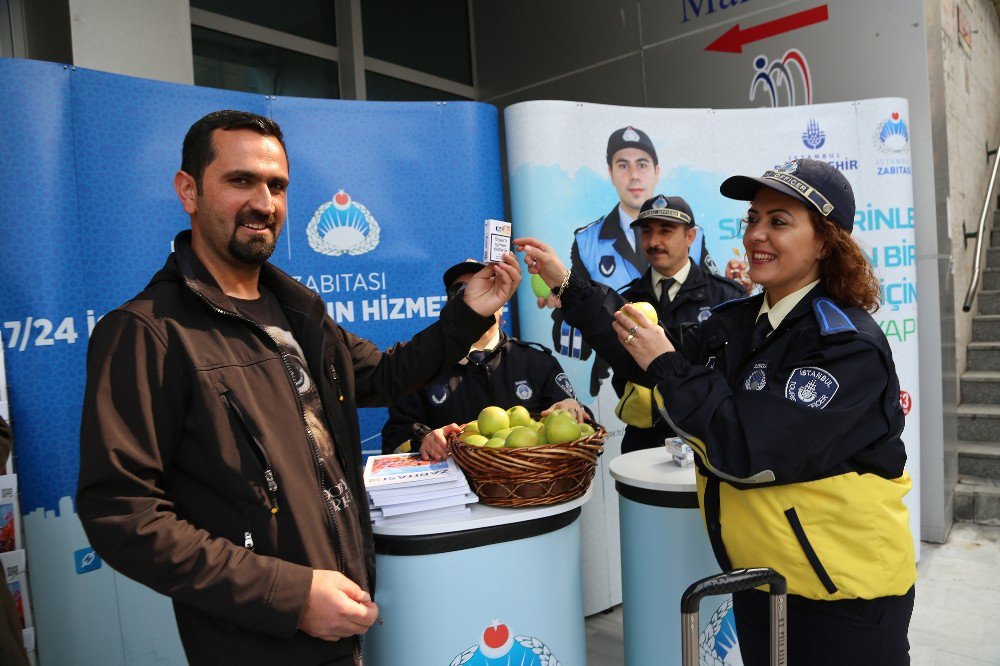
{"x": 514, "y": 458}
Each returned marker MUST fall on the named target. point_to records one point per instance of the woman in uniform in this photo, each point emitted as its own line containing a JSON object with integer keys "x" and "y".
{"x": 790, "y": 401}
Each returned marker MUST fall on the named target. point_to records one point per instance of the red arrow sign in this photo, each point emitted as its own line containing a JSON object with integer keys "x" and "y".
{"x": 732, "y": 40}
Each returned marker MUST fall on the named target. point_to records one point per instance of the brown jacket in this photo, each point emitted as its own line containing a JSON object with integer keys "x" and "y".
{"x": 172, "y": 483}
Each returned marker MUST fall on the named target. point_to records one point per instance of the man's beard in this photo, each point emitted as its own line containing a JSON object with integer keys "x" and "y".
{"x": 257, "y": 250}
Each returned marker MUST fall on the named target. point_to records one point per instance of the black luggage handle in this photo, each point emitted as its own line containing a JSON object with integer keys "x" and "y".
{"x": 736, "y": 580}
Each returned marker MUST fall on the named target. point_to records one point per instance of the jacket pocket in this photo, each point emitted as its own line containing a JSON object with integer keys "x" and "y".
{"x": 236, "y": 410}
{"x": 810, "y": 552}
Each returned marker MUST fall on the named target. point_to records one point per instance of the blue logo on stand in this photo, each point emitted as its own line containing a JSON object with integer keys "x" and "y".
{"x": 342, "y": 226}
{"x": 813, "y": 137}
{"x": 86, "y": 560}
{"x": 498, "y": 645}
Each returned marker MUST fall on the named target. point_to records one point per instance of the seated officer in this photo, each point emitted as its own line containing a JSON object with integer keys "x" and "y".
{"x": 679, "y": 289}
{"x": 498, "y": 371}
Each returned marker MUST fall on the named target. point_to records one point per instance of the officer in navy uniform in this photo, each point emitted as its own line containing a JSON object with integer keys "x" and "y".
{"x": 607, "y": 250}
{"x": 680, "y": 290}
{"x": 498, "y": 370}
{"x": 791, "y": 402}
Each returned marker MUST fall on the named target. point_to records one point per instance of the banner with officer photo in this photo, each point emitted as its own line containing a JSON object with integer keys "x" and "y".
{"x": 560, "y": 184}
{"x": 89, "y": 214}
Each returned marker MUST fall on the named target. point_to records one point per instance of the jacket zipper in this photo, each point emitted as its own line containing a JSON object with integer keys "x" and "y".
{"x": 262, "y": 458}
{"x": 312, "y": 443}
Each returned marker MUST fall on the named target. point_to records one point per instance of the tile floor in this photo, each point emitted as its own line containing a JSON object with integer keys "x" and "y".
{"x": 956, "y": 616}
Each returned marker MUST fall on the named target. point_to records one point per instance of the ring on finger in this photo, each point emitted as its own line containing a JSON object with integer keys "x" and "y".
{"x": 628, "y": 340}
{"x": 632, "y": 330}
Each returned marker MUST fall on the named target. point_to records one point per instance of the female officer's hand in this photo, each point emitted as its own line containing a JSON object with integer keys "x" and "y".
{"x": 642, "y": 339}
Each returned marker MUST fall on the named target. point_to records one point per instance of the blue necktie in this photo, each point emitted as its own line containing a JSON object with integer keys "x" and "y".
{"x": 760, "y": 332}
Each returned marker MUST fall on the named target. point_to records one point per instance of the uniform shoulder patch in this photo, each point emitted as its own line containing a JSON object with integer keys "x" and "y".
{"x": 562, "y": 381}
{"x": 831, "y": 319}
{"x": 811, "y": 386}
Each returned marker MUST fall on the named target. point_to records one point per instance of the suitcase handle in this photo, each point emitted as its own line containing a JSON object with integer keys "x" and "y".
{"x": 736, "y": 580}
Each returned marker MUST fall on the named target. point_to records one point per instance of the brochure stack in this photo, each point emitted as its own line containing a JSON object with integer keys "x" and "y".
{"x": 12, "y": 555}
{"x": 403, "y": 489}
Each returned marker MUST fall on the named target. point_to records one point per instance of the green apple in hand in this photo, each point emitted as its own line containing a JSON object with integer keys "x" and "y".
{"x": 561, "y": 428}
{"x": 646, "y": 309}
{"x": 539, "y": 287}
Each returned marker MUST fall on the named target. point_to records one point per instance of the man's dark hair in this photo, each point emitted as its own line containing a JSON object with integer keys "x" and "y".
{"x": 198, "y": 151}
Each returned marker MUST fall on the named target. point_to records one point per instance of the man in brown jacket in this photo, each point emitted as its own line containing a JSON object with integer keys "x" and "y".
{"x": 220, "y": 452}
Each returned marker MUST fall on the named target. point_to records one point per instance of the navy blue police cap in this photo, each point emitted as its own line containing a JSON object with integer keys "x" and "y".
{"x": 815, "y": 183}
{"x": 468, "y": 266}
{"x": 630, "y": 137}
{"x": 665, "y": 209}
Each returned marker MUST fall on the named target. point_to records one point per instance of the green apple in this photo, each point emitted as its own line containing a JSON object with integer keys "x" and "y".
{"x": 521, "y": 437}
{"x": 539, "y": 287}
{"x": 491, "y": 420}
{"x": 472, "y": 426}
{"x": 502, "y": 434}
{"x": 542, "y": 439}
{"x": 494, "y": 443}
{"x": 467, "y": 434}
{"x": 646, "y": 309}
{"x": 564, "y": 412}
{"x": 519, "y": 416}
{"x": 561, "y": 429}
{"x": 475, "y": 440}
{"x": 536, "y": 425}
{"x": 586, "y": 430}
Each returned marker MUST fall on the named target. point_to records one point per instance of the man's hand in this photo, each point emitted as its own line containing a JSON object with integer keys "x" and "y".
{"x": 434, "y": 445}
{"x": 337, "y": 607}
{"x": 493, "y": 286}
{"x": 551, "y": 302}
{"x": 570, "y": 405}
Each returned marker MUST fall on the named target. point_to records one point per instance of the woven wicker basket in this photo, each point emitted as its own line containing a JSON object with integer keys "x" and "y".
{"x": 532, "y": 476}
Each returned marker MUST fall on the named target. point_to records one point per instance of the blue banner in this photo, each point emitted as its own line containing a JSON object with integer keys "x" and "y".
{"x": 383, "y": 198}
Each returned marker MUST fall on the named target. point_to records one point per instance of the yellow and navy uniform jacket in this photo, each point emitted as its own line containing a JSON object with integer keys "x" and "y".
{"x": 799, "y": 456}
{"x": 800, "y": 459}
{"x": 513, "y": 373}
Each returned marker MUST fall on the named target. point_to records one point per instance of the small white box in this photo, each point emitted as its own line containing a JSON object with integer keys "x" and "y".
{"x": 496, "y": 240}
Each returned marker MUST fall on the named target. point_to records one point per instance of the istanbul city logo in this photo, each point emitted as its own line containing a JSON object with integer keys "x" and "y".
{"x": 498, "y": 643}
{"x": 813, "y": 137}
{"x": 892, "y": 135}
{"x": 342, "y": 226}
{"x": 775, "y": 77}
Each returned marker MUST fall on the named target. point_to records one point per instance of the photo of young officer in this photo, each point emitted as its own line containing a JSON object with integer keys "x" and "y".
{"x": 498, "y": 370}
{"x": 608, "y": 250}
{"x": 791, "y": 402}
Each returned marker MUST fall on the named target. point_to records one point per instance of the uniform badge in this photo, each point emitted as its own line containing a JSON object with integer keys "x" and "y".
{"x": 757, "y": 379}
{"x": 812, "y": 387}
{"x": 704, "y": 314}
{"x": 607, "y": 265}
{"x": 522, "y": 390}
{"x": 439, "y": 394}
{"x": 630, "y": 135}
{"x": 788, "y": 167}
{"x": 562, "y": 381}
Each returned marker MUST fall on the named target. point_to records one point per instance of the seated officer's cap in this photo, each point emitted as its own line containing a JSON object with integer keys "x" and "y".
{"x": 815, "y": 183}
{"x": 468, "y": 266}
{"x": 665, "y": 209}
{"x": 630, "y": 137}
